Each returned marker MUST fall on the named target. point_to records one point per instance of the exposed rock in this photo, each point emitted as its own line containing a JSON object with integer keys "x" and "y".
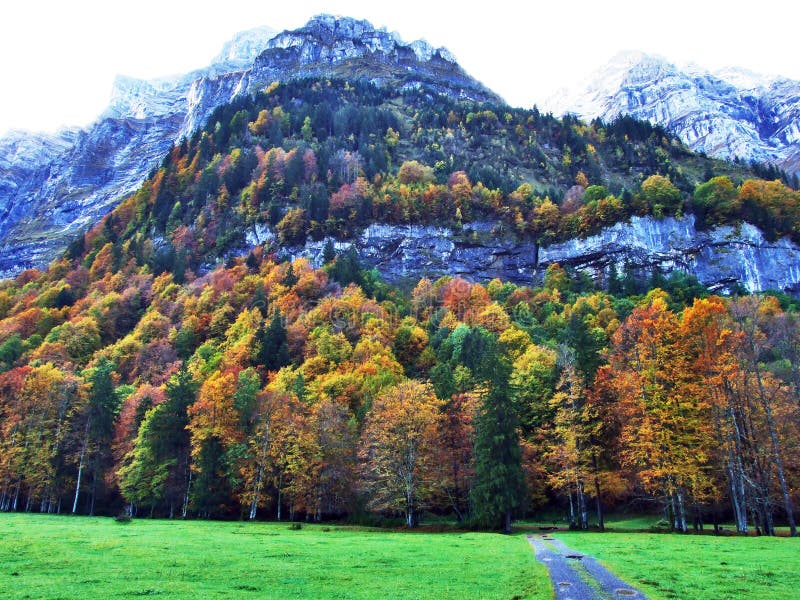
{"x": 51, "y": 187}
{"x": 720, "y": 258}
{"x": 728, "y": 114}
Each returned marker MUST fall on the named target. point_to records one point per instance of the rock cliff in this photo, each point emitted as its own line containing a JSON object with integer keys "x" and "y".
{"x": 721, "y": 258}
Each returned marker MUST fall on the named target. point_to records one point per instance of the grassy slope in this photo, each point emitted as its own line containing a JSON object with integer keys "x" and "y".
{"x": 61, "y": 557}
{"x": 678, "y": 566}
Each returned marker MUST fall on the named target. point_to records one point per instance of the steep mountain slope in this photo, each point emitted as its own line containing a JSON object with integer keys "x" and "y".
{"x": 422, "y": 184}
{"x": 51, "y": 189}
{"x": 183, "y": 356}
{"x": 730, "y": 114}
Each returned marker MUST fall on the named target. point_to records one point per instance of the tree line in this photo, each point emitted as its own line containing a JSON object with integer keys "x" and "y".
{"x": 272, "y": 389}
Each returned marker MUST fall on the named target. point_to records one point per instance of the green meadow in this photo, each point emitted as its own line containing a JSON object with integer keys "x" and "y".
{"x": 666, "y": 566}
{"x": 80, "y": 557}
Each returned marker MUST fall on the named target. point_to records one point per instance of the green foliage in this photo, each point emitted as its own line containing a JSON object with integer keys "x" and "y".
{"x": 499, "y": 485}
{"x": 211, "y": 491}
{"x": 155, "y": 471}
{"x": 10, "y": 351}
{"x": 316, "y": 158}
{"x": 715, "y": 202}
{"x": 158, "y": 295}
{"x": 347, "y": 269}
{"x": 272, "y": 353}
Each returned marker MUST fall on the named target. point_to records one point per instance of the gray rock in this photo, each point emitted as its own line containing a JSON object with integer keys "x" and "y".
{"x": 719, "y": 258}
{"x": 52, "y": 187}
{"x": 729, "y": 113}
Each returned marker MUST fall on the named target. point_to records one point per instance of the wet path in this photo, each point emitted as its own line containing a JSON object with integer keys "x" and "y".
{"x": 577, "y": 576}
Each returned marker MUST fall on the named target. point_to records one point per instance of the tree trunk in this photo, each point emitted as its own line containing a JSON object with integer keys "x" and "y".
{"x": 773, "y": 434}
{"x": 507, "y": 522}
{"x": 736, "y": 468}
{"x": 582, "y": 511}
{"x": 185, "y": 507}
{"x": 669, "y": 510}
{"x": 80, "y": 468}
{"x": 259, "y": 481}
{"x": 571, "y": 509}
{"x": 409, "y": 506}
{"x": 681, "y": 510}
{"x": 600, "y": 523}
{"x": 280, "y": 485}
{"x": 94, "y": 488}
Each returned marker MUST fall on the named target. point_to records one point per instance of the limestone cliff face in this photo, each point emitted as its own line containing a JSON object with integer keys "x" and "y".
{"x": 729, "y": 113}
{"x": 720, "y": 258}
{"x": 51, "y": 187}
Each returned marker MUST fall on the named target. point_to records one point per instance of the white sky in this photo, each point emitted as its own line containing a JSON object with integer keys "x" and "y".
{"x": 59, "y": 57}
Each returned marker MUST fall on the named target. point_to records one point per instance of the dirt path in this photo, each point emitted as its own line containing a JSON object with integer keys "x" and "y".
{"x": 577, "y": 576}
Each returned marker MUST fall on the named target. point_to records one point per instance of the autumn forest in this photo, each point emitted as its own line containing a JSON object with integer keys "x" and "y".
{"x": 162, "y": 367}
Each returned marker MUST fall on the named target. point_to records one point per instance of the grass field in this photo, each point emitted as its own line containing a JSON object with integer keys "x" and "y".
{"x": 79, "y": 557}
{"x": 667, "y": 566}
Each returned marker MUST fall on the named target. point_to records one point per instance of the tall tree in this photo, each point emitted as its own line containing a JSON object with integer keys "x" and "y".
{"x": 273, "y": 352}
{"x": 398, "y": 448}
{"x": 99, "y": 414}
{"x": 156, "y": 471}
{"x": 667, "y": 429}
{"x": 499, "y": 485}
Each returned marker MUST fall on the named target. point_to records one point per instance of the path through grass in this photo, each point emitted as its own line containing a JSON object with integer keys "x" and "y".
{"x": 78, "y": 557}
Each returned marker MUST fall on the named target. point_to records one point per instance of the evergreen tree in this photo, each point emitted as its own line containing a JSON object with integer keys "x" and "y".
{"x": 156, "y": 471}
{"x": 290, "y": 279}
{"x": 211, "y": 490}
{"x": 347, "y": 269}
{"x": 499, "y": 486}
{"x": 273, "y": 352}
{"x": 100, "y": 415}
{"x": 328, "y": 252}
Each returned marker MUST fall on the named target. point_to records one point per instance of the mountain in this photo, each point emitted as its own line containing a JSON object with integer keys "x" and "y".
{"x": 363, "y": 240}
{"x": 423, "y": 184}
{"x": 730, "y": 113}
{"x": 52, "y": 187}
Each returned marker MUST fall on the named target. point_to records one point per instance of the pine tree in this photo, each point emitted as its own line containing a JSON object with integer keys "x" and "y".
{"x": 100, "y": 414}
{"x": 328, "y": 252}
{"x": 499, "y": 486}
{"x": 274, "y": 351}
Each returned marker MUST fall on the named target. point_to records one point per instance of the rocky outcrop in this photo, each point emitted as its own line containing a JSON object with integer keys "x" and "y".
{"x": 721, "y": 258}
{"x": 51, "y": 187}
{"x": 729, "y": 114}
{"x": 338, "y": 47}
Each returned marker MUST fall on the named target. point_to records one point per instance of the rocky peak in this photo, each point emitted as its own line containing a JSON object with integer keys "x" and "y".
{"x": 328, "y": 37}
{"x": 53, "y": 186}
{"x": 732, "y": 113}
{"x": 332, "y": 46}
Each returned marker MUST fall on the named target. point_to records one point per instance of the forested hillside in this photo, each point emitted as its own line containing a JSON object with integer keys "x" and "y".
{"x": 317, "y": 158}
{"x": 165, "y": 368}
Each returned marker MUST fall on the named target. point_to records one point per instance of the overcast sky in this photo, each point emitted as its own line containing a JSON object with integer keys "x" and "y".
{"x": 59, "y": 58}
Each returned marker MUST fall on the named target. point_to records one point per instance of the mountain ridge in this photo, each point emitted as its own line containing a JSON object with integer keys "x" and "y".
{"x": 52, "y": 189}
{"x": 731, "y": 113}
